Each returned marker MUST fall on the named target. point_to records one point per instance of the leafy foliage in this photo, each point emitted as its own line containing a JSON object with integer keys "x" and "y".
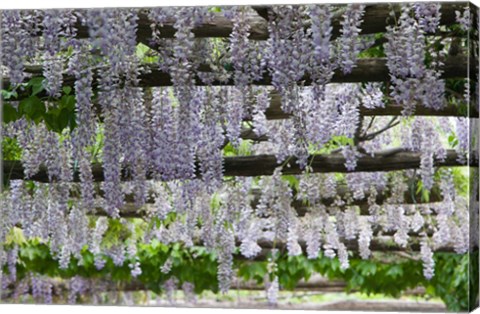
{"x": 187, "y": 121}
{"x": 57, "y": 115}
{"x": 196, "y": 265}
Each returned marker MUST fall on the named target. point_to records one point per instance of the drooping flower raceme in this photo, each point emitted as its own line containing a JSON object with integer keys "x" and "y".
{"x": 463, "y": 18}
{"x": 239, "y": 47}
{"x": 412, "y": 81}
{"x": 18, "y": 41}
{"x": 372, "y": 96}
{"x": 427, "y": 259}
{"x": 272, "y": 291}
{"x": 428, "y": 15}
{"x": 322, "y": 67}
{"x": 349, "y": 41}
{"x": 57, "y": 25}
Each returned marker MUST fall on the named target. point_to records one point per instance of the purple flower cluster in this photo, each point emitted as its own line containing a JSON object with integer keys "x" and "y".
{"x": 463, "y": 18}
{"x": 364, "y": 238}
{"x": 372, "y": 96}
{"x": 427, "y": 259}
{"x": 239, "y": 46}
{"x": 77, "y": 286}
{"x": 272, "y": 291}
{"x": 349, "y": 41}
{"x": 226, "y": 246}
{"x": 351, "y": 154}
{"x": 288, "y": 50}
{"x": 322, "y": 67}
{"x": 412, "y": 81}
{"x": 259, "y": 119}
{"x": 42, "y": 289}
{"x": 462, "y": 133}
{"x": 428, "y": 16}
{"x": 58, "y": 31}
{"x": 18, "y": 41}
{"x": 177, "y": 133}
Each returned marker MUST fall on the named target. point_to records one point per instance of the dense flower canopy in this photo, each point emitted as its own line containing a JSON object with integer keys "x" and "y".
{"x": 295, "y": 132}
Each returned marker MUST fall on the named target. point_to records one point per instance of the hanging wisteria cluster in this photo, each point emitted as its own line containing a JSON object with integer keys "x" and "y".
{"x": 162, "y": 149}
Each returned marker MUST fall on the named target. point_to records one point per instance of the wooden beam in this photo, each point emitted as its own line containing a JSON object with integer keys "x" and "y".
{"x": 380, "y": 306}
{"x": 275, "y": 112}
{"x": 367, "y": 70}
{"x": 375, "y": 20}
{"x": 130, "y": 210}
{"x": 379, "y": 244}
{"x": 316, "y": 284}
{"x": 266, "y": 164}
{"x": 260, "y": 165}
{"x": 377, "y": 16}
{"x": 219, "y": 26}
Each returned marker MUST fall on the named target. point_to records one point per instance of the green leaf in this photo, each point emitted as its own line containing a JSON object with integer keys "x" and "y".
{"x": 342, "y": 140}
{"x": 63, "y": 119}
{"x": 32, "y": 107}
{"x": 15, "y": 236}
{"x": 10, "y": 114}
{"x": 228, "y": 66}
{"x": 72, "y": 121}
{"x": 395, "y": 271}
{"x": 50, "y": 119}
{"x": 368, "y": 269}
{"x": 215, "y": 9}
{"x": 245, "y": 148}
{"x": 67, "y": 90}
{"x": 6, "y": 95}
{"x": 292, "y": 268}
{"x": 292, "y": 181}
{"x": 419, "y": 187}
{"x": 426, "y": 195}
{"x": 67, "y": 102}
{"x": 36, "y": 84}
{"x": 10, "y": 149}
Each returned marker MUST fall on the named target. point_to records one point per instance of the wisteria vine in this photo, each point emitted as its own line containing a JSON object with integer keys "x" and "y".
{"x": 162, "y": 149}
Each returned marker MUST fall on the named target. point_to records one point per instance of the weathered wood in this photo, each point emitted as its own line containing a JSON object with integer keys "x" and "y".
{"x": 219, "y": 26}
{"x": 275, "y": 112}
{"x": 130, "y": 210}
{"x": 377, "y": 16}
{"x": 259, "y": 165}
{"x": 266, "y": 164}
{"x": 381, "y": 306}
{"x": 367, "y": 70}
{"x": 357, "y": 305}
{"x": 378, "y": 244}
{"x": 315, "y": 284}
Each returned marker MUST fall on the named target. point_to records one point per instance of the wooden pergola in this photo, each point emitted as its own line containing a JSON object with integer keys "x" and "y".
{"x": 376, "y": 18}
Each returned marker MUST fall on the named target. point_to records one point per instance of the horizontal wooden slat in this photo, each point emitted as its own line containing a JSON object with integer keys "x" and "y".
{"x": 275, "y": 112}
{"x": 367, "y": 70}
{"x": 380, "y": 244}
{"x": 259, "y": 165}
{"x": 376, "y": 18}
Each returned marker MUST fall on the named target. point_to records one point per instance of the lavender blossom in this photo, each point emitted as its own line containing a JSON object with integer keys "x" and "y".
{"x": 463, "y": 18}
{"x": 272, "y": 291}
{"x": 321, "y": 65}
{"x": 372, "y": 96}
{"x": 427, "y": 259}
{"x": 350, "y": 154}
{"x": 428, "y": 15}
{"x": 364, "y": 238}
{"x": 349, "y": 43}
